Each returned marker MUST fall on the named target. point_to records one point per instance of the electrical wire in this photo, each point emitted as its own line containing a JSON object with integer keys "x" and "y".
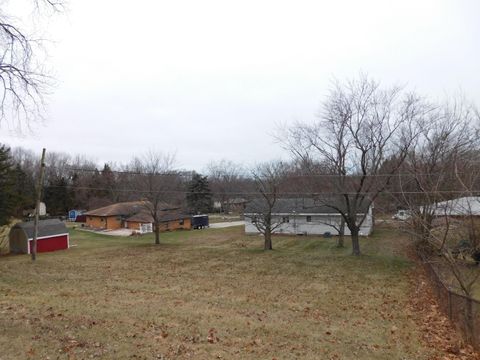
{"x": 282, "y": 193}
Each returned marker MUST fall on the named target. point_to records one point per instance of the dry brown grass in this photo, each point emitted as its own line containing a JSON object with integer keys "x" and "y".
{"x": 209, "y": 294}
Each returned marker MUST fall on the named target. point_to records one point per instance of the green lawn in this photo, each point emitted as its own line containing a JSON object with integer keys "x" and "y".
{"x": 209, "y": 294}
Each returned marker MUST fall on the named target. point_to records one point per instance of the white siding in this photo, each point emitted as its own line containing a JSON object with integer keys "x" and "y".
{"x": 319, "y": 224}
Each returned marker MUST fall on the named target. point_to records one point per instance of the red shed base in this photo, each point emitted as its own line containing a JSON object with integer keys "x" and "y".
{"x": 51, "y": 243}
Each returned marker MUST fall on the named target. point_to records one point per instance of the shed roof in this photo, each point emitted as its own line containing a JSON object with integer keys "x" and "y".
{"x": 48, "y": 227}
{"x": 301, "y": 206}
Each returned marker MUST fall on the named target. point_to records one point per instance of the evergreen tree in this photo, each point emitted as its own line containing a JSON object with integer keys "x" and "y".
{"x": 59, "y": 196}
{"x": 79, "y": 194}
{"x": 108, "y": 184}
{"x": 199, "y": 196}
{"x": 9, "y": 199}
{"x": 94, "y": 194}
{"x": 24, "y": 189}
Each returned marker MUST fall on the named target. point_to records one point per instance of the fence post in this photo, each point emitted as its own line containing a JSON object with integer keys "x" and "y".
{"x": 469, "y": 320}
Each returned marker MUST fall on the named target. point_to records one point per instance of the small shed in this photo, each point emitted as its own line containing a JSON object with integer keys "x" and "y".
{"x": 52, "y": 235}
{"x": 74, "y": 214}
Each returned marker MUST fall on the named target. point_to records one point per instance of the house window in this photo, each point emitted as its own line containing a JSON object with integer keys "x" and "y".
{"x": 285, "y": 219}
{"x": 180, "y": 222}
{"x": 309, "y": 219}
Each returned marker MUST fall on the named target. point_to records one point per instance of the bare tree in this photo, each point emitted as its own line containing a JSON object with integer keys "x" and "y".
{"x": 452, "y": 237}
{"x": 226, "y": 180}
{"x": 158, "y": 184}
{"x": 438, "y": 184}
{"x": 360, "y": 127}
{"x": 309, "y": 178}
{"x": 268, "y": 179}
{"x": 446, "y": 139}
{"x": 23, "y": 79}
{"x": 339, "y": 227}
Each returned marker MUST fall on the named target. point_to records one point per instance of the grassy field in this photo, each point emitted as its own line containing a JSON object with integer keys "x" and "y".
{"x": 209, "y": 294}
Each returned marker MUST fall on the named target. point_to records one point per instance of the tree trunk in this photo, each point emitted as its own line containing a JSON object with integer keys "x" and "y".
{"x": 157, "y": 234}
{"x": 355, "y": 241}
{"x": 341, "y": 234}
{"x": 470, "y": 321}
{"x": 268, "y": 240}
{"x": 226, "y": 209}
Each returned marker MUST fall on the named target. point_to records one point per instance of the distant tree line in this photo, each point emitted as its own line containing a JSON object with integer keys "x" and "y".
{"x": 76, "y": 182}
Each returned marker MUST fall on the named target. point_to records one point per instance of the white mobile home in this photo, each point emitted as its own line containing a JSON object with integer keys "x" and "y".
{"x": 305, "y": 217}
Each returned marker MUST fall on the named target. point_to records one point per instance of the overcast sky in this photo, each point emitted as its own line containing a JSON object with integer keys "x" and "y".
{"x": 211, "y": 79}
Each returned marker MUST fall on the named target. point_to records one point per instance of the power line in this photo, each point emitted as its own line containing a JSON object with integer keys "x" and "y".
{"x": 289, "y": 193}
{"x": 189, "y": 173}
{"x": 127, "y": 172}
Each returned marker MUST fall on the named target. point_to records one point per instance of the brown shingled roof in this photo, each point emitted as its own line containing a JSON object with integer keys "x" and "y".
{"x": 146, "y": 217}
{"x": 126, "y": 209}
{"x": 172, "y": 216}
{"x": 143, "y": 217}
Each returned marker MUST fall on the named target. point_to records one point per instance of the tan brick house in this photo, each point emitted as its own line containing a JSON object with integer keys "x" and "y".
{"x": 134, "y": 214}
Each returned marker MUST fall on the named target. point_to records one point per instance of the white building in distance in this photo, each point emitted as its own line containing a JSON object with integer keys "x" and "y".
{"x": 301, "y": 216}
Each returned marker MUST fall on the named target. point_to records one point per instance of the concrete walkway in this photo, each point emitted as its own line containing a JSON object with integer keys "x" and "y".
{"x": 128, "y": 232}
{"x": 226, "y": 224}
{"x": 118, "y": 232}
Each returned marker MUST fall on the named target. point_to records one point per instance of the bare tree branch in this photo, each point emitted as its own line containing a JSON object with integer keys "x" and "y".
{"x": 362, "y": 130}
{"x": 23, "y": 79}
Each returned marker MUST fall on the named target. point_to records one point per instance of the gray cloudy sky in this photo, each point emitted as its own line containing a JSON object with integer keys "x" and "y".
{"x": 211, "y": 79}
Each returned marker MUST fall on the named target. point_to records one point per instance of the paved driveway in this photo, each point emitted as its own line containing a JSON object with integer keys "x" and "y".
{"x": 226, "y": 224}
{"x": 118, "y": 232}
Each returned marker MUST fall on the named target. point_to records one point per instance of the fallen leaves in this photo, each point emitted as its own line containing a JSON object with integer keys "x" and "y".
{"x": 212, "y": 301}
{"x": 212, "y": 336}
{"x": 438, "y": 332}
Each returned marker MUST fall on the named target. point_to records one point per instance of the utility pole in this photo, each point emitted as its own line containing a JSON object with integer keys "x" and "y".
{"x": 33, "y": 250}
